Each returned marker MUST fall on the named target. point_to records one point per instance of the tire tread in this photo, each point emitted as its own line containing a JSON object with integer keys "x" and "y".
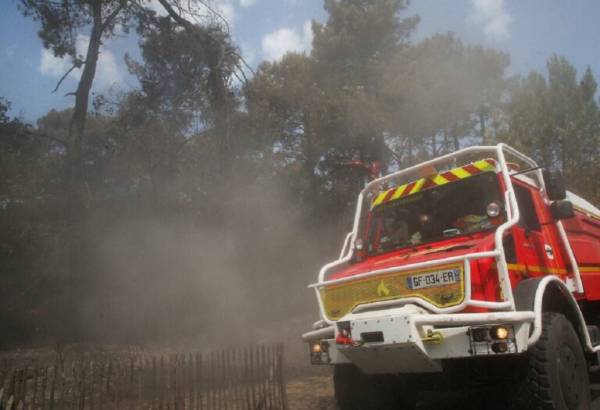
{"x": 534, "y": 387}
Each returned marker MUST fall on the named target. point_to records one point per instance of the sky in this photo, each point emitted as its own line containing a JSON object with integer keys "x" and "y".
{"x": 529, "y": 30}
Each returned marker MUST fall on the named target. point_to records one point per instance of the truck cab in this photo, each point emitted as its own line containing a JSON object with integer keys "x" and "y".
{"x": 462, "y": 258}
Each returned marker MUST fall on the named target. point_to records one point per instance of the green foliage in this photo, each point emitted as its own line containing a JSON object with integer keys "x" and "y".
{"x": 556, "y": 120}
{"x": 441, "y": 93}
{"x": 62, "y": 22}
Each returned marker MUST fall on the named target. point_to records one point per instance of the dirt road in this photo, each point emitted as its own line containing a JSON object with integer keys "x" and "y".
{"x": 315, "y": 392}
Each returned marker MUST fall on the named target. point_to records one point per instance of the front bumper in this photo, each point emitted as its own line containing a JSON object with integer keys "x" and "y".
{"x": 411, "y": 340}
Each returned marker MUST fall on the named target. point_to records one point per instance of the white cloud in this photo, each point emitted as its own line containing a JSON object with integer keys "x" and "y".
{"x": 52, "y": 66}
{"x": 492, "y": 15}
{"x": 277, "y": 43}
{"x": 247, "y": 3}
{"x": 107, "y": 71}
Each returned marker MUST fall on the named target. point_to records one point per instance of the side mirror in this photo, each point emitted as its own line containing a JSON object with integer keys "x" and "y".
{"x": 562, "y": 210}
{"x": 555, "y": 185}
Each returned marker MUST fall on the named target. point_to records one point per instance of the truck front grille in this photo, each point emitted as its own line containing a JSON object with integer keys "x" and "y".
{"x": 340, "y": 299}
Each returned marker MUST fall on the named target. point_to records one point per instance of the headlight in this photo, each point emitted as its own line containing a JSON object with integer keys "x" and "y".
{"x": 499, "y": 333}
{"x": 319, "y": 352}
{"x": 493, "y": 209}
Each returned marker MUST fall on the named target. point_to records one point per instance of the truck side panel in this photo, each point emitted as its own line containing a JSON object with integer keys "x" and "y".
{"x": 584, "y": 235}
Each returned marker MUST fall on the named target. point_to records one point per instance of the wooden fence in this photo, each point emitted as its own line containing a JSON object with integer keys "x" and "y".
{"x": 244, "y": 379}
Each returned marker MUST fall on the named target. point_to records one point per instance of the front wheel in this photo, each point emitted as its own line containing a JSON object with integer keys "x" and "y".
{"x": 355, "y": 390}
{"x": 554, "y": 375}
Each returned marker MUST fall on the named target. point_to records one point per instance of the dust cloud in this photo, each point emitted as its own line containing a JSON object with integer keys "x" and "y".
{"x": 237, "y": 280}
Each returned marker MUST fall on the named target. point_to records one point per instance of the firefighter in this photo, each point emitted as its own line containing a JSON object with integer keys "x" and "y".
{"x": 424, "y": 230}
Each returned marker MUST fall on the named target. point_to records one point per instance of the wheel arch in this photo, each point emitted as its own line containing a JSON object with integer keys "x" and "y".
{"x": 550, "y": 294}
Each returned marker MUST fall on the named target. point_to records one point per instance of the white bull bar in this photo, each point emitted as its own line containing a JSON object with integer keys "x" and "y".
{"x": 498, "y": 253}
{"x": 503, "y": 276}
{"x": 442, "y": 320}
{"x": 406, "y": 344}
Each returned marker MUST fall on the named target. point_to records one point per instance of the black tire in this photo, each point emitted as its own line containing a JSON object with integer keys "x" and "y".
{"x": 355, "y": 390}
{"x": 554, "y": 375}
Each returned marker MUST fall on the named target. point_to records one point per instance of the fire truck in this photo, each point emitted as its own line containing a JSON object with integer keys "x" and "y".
{"x": 474, "y": 267}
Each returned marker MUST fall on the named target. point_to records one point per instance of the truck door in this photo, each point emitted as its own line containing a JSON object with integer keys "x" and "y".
{"x": 537, "y": 252}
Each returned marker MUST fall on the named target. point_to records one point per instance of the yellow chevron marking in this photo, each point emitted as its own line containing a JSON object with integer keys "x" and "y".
{"x": 439, "y": 180}
{"x": 379, "y": 199}
{"x": 399, "y": 192}
{"x": 461, "y": 173}
{"x": 483, "y": 165}
{"x": 418, "y": 185}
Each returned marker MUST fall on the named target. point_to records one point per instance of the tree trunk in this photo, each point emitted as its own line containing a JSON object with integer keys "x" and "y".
{"x": 76, "y": 203}
{"x": 310, "y": 158}
{"x": 455, "y": 138}
{"x": 482, "y": 124}
{"x": 409, "y": 150}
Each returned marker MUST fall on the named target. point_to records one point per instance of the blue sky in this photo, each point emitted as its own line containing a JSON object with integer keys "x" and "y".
{"x": 530, "y": 30}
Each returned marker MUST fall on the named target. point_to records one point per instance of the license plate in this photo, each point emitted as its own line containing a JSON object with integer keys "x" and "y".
{"x": 431, "y": 279}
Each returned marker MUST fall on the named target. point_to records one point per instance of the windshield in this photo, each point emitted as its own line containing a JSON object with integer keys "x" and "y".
{"x": 464, "y": 207}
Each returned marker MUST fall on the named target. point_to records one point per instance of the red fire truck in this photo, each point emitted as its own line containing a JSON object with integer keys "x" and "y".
{"x": 476, "y": 263}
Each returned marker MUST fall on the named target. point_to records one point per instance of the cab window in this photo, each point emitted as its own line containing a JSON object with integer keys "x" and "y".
{"x": 529, "y": 219}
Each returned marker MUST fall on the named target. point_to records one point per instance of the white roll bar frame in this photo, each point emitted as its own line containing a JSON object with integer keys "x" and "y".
{"x": 498, "y": 253}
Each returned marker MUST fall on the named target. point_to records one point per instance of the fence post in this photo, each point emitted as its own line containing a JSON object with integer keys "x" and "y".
{"x": 223, "y": 380}
{"x": 131, "y": 363}
{"x": 92, "y": 383}
{"x": 10, "y": 402}
{"x": 209, "y": 381}
{"x": 162, "y": 384}
{"x": 36, "y": 378}
{"x": 154, "y": 384}
{"x": 174, "y": 360}
{"x": 281, "y": 378}
{"x": 52, "y": 387}
{"x": 264, "y": 370}
{"x": 201, "y": 383}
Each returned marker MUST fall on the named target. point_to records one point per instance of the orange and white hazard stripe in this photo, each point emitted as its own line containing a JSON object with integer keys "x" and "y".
{"x": 455, "y": 174}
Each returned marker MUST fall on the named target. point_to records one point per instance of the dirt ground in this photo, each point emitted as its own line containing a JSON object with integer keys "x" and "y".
{"x": 315, "y": 392}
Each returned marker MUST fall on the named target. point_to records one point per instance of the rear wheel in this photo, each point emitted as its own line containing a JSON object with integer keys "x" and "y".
{"x": 555, "y": 375}
{"x": 355, "y": 390}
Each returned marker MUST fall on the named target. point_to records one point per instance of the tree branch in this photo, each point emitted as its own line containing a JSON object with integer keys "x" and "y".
{"x": 243, "y": 79}
{"x": 175, "y": 16}
{"x": 238, "y": 55}
{"x": 393, "y": 153}
{"x": 76, "y": 65}
{"x": 112, "y": 16}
